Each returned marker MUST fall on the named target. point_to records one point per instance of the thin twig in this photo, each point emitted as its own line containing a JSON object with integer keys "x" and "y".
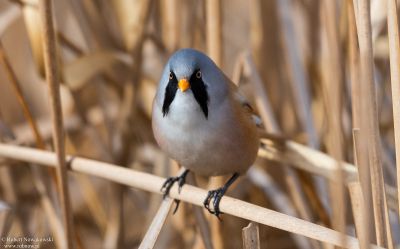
{"x": 51, "y": 69}
{"x": 188, "y": 194}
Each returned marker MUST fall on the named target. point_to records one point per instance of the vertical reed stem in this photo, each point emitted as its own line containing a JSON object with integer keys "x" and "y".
{"x": 394, "y": 48}
{"x": 333, "y": 88}
{"x": 214, "y": 30}
{"x": 51, "y": 69}
{"x": 214, "y": 48}
{"x": 369, "y": 121}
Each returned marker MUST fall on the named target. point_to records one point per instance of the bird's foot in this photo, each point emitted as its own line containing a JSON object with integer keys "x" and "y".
{"x": 167, "y": 185}
{"x": 215, "y": 195}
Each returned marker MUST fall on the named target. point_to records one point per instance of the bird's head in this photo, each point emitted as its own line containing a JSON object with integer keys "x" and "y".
{"x": 190, "y": 72}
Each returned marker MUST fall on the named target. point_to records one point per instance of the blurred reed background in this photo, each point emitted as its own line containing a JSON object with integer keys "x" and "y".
{"x": 322, "y": 74}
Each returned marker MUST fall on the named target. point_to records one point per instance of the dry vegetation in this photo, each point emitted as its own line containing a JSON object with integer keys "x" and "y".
{"x": 78, "y": 78}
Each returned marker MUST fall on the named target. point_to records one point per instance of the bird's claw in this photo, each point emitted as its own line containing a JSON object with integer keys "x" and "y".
{"x": 167, "y": 185}
{"x": 217, "y": 195}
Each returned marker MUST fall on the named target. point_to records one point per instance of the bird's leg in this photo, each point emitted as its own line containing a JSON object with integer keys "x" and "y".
{"x": 217, "y": 195}
{"x": 166, "y": 187}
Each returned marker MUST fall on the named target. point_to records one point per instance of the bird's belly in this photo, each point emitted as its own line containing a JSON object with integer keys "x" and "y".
{"x": 207, "y": 146}
{"x": 206, "y": 150}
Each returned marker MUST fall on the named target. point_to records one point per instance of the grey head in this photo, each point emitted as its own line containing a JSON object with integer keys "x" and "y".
{"x": 191, "y": 75}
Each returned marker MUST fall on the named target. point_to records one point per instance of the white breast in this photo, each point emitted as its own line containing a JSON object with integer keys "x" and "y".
{"x": 204, "y": 145}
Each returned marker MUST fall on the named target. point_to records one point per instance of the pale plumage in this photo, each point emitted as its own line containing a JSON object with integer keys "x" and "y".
{"x": 204, "y": 128}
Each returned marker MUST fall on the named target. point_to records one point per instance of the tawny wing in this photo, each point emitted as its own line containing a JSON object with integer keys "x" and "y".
{"x": 244, "y": 103}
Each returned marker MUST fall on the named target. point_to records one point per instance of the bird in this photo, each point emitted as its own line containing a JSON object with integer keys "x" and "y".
{"x": 200, "y": 120}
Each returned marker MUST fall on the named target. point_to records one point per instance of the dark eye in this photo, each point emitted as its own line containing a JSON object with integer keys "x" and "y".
{"x": 198, "y": 74}
{"x": 171, "y": 76}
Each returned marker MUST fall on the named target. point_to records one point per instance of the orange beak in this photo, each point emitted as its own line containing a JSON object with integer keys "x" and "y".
{"x": 183, "y": 85}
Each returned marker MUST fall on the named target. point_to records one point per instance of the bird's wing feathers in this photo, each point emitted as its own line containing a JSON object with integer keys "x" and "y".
{"x": 244, "y": 102}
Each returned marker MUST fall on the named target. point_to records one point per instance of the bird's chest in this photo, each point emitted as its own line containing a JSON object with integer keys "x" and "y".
{"x": 188, "y": 129}
{"x": 186, "y": 133}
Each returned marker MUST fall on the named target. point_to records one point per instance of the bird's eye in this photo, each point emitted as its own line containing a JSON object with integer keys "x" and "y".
{"x": 171, "y": 76}
{"x": 198, "y": 74}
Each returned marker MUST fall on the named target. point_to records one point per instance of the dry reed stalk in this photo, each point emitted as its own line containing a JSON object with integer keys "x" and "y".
{"x": 215, "y": 224}
{"x": 353, "y": 62}
{"x": 295, "y": 154}
{"x": 251, "y": 236}
{"x": 214, "y": 30}
{"x": 214, "y": 49}
{"x": 188, "y": 194}
{"x": 202, "y": 223}
{"x": 369, "y": 121}
{"x": 113, "y": 237}
{"x": 32, "y": 21}
{"x": 180, "y": 219}
{"x": 313, "y": 161}
{"x": 158, "y": 222}
{"x": 394, "y": 46}
{"x": 172, "y": 16}
{"x": 154, "y": 230}
{"x": 358, "y": 207}
{"x": 51, "y": 70}
{"x": 201, "y": 220}
{"x": 307, "y": 159}
{"x": 161, "y": 167}
{"x": 363, "y": 175}
{"x": 388, "y": 227}
{"x": 333, "y": 88}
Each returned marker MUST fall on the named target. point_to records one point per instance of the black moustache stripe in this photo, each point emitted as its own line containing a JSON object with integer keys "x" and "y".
{"x": 170, "y": 92}
{"x": 200, "y": 92}
{"x": 196, "y": 85}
